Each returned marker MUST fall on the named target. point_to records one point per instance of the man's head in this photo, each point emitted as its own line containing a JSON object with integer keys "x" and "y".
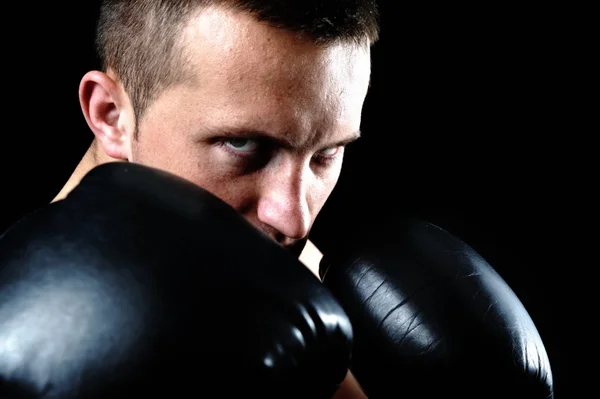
{"x": 253, "y": 100}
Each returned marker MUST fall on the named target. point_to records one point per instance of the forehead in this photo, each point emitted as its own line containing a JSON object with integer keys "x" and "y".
{"x": 220, "y": 41}
{"x": 245, "y": 70}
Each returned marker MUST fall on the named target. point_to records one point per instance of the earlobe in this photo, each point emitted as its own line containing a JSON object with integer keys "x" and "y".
{"x": 105, "y": 108}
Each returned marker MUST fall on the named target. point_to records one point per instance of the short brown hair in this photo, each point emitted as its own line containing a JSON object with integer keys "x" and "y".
{"x": 137, "y": 39}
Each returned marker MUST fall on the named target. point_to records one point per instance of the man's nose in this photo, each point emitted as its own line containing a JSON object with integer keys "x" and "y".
{"x": 283, "y": 204}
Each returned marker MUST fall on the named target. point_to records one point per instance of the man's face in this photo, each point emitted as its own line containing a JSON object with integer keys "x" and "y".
{"x": 264, "y": 126}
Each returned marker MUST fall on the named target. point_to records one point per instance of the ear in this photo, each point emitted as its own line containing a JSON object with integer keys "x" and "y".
{"x": 108, "y": 113}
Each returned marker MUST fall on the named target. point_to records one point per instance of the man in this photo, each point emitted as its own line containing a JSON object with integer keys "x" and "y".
{"x": 252, "y": 100}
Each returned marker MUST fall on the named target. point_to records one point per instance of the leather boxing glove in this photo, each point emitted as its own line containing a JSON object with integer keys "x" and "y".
{"x": 141, "y": 284}
{"x": 433, "y": 319}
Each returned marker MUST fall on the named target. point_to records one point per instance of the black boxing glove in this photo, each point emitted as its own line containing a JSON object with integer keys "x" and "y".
{"x": 141, "y": 284}
{"x": 433, "y": 319}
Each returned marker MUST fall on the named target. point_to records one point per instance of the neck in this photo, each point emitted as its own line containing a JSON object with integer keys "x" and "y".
{"x": 93, "y": 157}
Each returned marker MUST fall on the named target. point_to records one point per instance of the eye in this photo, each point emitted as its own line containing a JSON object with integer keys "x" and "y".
{"x": 329, "y": 156}
{"x": 328, "y": 152}
{"x": 241, "y": 144}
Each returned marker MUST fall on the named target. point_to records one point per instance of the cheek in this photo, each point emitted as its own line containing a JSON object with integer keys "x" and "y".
{"x": 162, "y": 154}
{"x": 164, "y": 140}
{"x": 319, "y": 194}
{"x": 236, "y": 193}
{"x": 164, "y": 147}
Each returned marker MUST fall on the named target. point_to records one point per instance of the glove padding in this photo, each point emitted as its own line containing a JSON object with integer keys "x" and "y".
{"x": 141, "y": 284}
{"x": 433, "y": 319}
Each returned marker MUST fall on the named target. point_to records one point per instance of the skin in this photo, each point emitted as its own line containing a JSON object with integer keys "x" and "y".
{"x": 263, "y": 126}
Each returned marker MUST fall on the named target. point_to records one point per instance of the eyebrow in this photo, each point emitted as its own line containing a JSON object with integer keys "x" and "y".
{"x": 281, "y": 142}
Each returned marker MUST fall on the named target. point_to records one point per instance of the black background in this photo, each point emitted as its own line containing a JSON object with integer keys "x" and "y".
{"x": 471, "y": 123}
